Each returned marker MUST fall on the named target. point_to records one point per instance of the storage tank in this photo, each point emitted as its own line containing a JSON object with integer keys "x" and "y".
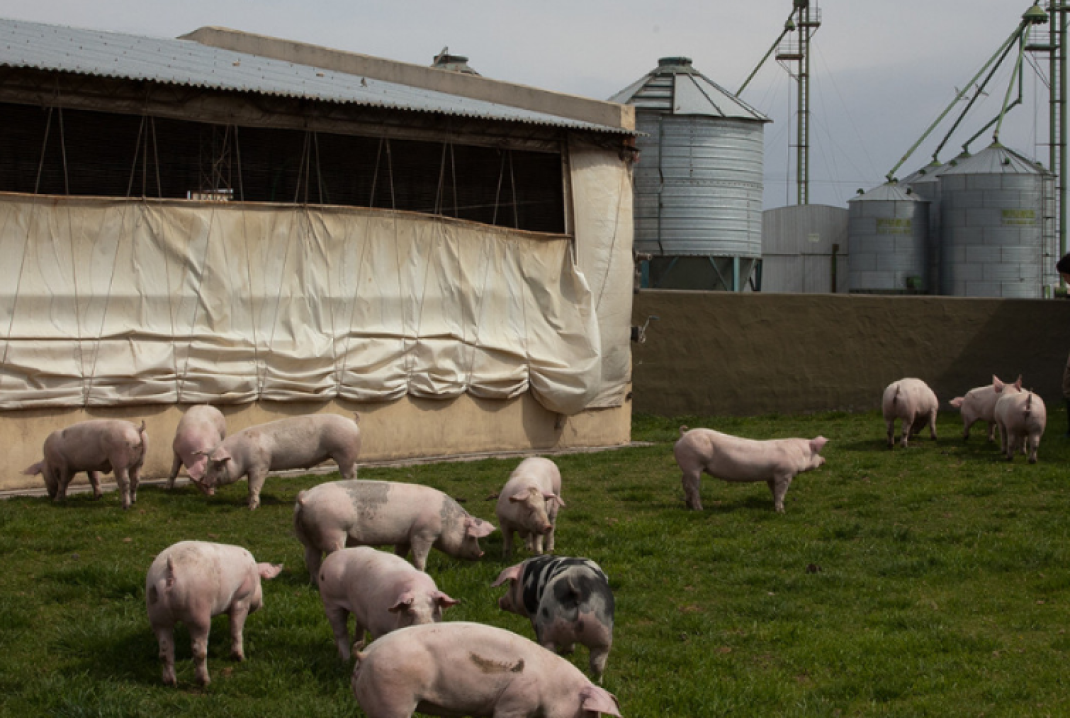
{"x": 924, "y": 184}
{"x": 698, "y": 183}
{"x": 887, "y": 236}
{"x": 993, "y": 225}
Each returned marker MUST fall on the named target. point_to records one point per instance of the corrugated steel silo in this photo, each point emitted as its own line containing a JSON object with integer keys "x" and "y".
{"x": 887, "y": 236}
{"x": 924, "y": 183}
{"x": 698, "y": 183}
{"x": 993, "y": 225}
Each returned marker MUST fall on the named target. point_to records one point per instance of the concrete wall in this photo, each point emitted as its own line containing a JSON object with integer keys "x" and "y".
{"x": 408, "y": 428}
{"x": 732, "y": 354}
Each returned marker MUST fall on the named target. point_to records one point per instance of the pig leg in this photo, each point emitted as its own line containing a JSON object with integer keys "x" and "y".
{"x": 347, "y": 467}
{"x": 550, "y": 536}
{"x": 1033, "y": 443}
{"x": 932, "y": 424}
{"x": 135, "y": 481}
{"x": 313, "y": 561}
{"x": 691, "y": 481}
{"x": 123, "y": 480}
{"x": 238, "y": 613}
{"x": 507, "y": 540}
{"x": 906, "y": 428}
{"x": 256, "y": 482}
{"x": 891, "y": 433}
{"x": 198, "y": 633}
{"x": 338, "y": 617}
{"x": 596, "y": 661}
{"x": 94, "y": 481}
{"x": 63, "y": 480}
{"x": 165, "y": 637}
{"x": 175, "y": 466}
{"x": 779, "y": 486}
{"x": 991, "y": 431}
{"x": 421, "y": 546}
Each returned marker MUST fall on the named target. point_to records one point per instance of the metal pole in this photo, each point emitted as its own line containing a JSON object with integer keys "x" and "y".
{"x": 803, "y": 125}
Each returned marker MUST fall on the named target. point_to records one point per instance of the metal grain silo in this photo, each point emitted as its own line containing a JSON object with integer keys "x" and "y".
{"x": 924, "y": 183}
{"x": 698, "y": 183}
{"x": 887, "y": 237}
{"x": 993, "y": 225}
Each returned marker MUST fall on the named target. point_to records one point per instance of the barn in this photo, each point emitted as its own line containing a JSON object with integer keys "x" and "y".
{"x": 280, "y": 228}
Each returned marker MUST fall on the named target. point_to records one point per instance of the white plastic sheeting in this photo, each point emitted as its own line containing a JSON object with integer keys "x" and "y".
{"x": 113, "y": 302}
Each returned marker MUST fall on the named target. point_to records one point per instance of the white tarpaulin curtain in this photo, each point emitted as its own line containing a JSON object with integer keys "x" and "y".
{"x": 111, "y": 302}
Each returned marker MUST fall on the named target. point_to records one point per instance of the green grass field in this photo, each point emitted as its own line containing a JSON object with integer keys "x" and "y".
{"x": 932, "y": 581}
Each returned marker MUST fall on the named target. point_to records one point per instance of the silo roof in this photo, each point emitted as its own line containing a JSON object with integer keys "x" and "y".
{"x": 169, "y": 61}
{"x": 888, "y": 192}
{"x": 676, "y": 87}
{"x": 996, "y": 159}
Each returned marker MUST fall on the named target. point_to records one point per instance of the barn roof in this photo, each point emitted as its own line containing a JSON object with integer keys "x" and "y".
{"x": 58, "y": 48}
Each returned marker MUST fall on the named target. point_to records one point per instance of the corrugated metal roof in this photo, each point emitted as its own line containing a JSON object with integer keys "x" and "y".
{"x": 675, "y": 87}
{"x": 888, "y": 192}
{"x": 183, "y": 62}
{"x": 996, "y": 159}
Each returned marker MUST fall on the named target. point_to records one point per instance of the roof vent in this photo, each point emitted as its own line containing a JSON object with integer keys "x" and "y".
{"x": 675, "y": 64}
{"x": 455, "y": 63}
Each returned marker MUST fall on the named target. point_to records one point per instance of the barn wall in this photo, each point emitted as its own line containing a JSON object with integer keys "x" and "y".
{"x": 729, "y": 354}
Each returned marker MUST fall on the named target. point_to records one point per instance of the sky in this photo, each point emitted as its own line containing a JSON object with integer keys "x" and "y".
{"x": 881, "y": 72}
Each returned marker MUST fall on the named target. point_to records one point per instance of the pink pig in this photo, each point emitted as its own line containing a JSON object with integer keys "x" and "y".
{"x": 299, "y": 442}
{"x": 471, "y": 669}
{"x": 732, "y": 458}
{"x": 200, "y": 430}
{"x": 95, "y": 446}
{"x": 979, "y": 404}
{"x": 192, "y": 581}
{"x": 913, "y": 403}
{"x": 337, "y": 514}
{"x": 382, "y": 591}
{"x": 1021, "y": 419}
{"x": 528, "y": 504}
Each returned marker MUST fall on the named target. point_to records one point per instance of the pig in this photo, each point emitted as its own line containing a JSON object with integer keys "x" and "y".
{"x": 1021, "y": 419}
{"x": 201, "y": 429}
{"x": 299, "y": 442}
{"x": 471, "y": 669}
{"x": 95, "y": 446}
{"x": 382, "y": 591}
{"x": 732, "y": 458}
{"x": 337, "y": 514}
{"x": 979, "y": 404}
{"x": 192, "y": 581}
{"x": 913, "y": 403}
{"x": 528, "y": 504}
{"x": 568, "y": 601}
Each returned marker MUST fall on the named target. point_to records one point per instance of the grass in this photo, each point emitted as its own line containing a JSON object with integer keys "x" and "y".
{"x": 932, "y": 581}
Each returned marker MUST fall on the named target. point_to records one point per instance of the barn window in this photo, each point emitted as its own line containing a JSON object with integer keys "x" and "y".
{"x": 81, "y": 152}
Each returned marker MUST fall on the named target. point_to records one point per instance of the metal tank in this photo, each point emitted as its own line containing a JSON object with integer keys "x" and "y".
{"x": 698, "y": 183}
{"x": 887, "y": 237}
{"x": 994, "y": 225}
{"x": 924, "y": 183}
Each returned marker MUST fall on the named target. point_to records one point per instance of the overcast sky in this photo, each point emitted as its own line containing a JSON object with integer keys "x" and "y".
{"x": 881, "y": 72}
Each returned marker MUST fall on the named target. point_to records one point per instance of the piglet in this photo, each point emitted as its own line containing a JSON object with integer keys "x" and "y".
{"x": 192, "y": 581}
{"x": 528, "y": 504}
{"x": 733, "y": 458}
{"x": 200, "y": 430}
{"x": 95, "y": 446}
{"x": 471, "y": 669}
{"x": 568, "y": 601}
{"x": 913, "y": 403}
{"x": 382, "y": 591}
{"x": 1021, "y": 419}
{"x": 299, "y": 442}
{"x": 979, "y": 404}
{"x": 337, "y": 514}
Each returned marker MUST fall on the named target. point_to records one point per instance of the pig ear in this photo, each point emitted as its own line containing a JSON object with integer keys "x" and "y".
{"x": 403, "y": 603}
{"x": 816, "y": 445}
{"x": 443, "y": 600}
{"x": 268, "y": 570}
{"x": 518, "y": 497}
{"x": 196, "y": 472}
{"x": 508, "y": 574}
{"x": 1018, "y": 384}
{"x": 997, "y": 384}
{"x": 599, "y": 700}
{"x": 477, "y": 527}
{"x": 554, "y": 497}
{"x": 220, "y": 455}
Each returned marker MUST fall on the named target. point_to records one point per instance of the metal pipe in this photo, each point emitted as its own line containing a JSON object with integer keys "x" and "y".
{"x": 1016, "y": 75}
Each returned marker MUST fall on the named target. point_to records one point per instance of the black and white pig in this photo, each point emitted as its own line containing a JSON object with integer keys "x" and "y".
{"x": 568, "y": 601}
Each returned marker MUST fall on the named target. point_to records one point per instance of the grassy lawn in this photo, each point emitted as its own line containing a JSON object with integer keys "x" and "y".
{"x": 932, "y": 581}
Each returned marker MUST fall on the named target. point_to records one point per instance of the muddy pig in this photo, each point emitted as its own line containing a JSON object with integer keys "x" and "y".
{"x": 299, "y": 442}
{"x": 383, "y": 592}
{"x": 1021, "y": 419}
{"x": 528, "y": 504}
{"x": 568, "y": 601}
{"x": 337, "y": 514}
{"x": 914, "y": 404}
{"x": 733, "y": 458}
{"x": 199, "y": 431}
{"x": 192, "y": 581}
{"x": 95, "y": 446}
{"x": 979, "y": 404}
{"x": 471, "y": 669}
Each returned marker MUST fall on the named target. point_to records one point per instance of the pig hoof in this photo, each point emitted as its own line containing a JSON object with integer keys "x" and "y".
{"x": 236, "y": 656}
